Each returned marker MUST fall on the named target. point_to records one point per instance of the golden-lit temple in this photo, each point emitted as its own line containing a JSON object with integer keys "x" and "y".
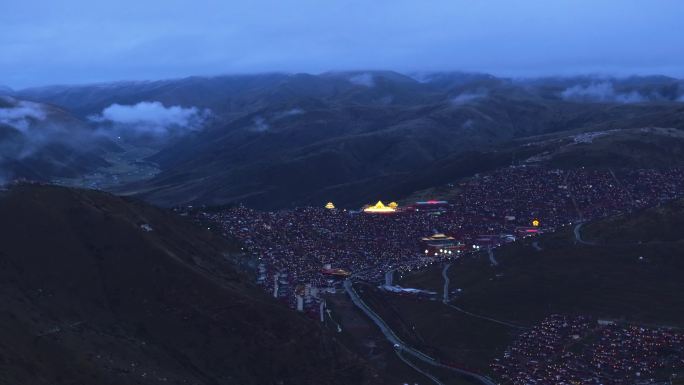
{"x": 393, "y": 205}
{"x": 329, "y": 206}
{"x": 380, "y": 208}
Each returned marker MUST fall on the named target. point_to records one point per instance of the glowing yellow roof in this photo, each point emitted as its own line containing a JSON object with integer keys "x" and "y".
{"x": 393, "y": 205}
{"x": 329, "y": 206}
{"x": 379, "y": 208}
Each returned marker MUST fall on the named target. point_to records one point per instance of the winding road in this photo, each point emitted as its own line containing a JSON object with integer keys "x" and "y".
{"x": 417, "y": 369}
{"x": 400, "y": 345}
{"x": 535, "y": 245}
{"x": 445, "y": 298}
{"x": 578, "y": 234}
{"x": 485, "y": 317}
{"x": 493, "y": 260}
{"x": 578, "y": 238}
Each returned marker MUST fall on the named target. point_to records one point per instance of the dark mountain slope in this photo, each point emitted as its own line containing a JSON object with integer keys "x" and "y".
{"x": 345, "y": 154}
{"x": 658, "y": 225}
{"x": 281, "y": 140}
{"x": 97, "y": 289}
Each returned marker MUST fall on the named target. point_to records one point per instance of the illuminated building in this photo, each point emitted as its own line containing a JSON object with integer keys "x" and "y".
{"x": 379, "y": 208}
{"x": 431, "y": 206}
{"x": 432, "y": 202}
{"x": 529, "y": 230}
{"x": 329, "y": 206}
{"x": 526, "y": 230}
{"x": 442, "y": 244}
{"x": 438, "y": 240}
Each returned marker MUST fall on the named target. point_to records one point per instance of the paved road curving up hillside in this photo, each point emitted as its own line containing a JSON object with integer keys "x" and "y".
{"x": 399, "y": 344}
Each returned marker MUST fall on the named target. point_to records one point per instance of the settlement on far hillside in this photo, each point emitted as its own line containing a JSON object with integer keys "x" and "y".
{"x": 488, "y": 210}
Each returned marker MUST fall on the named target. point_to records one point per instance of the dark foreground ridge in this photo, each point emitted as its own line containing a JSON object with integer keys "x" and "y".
{"x": 98, "y": 289}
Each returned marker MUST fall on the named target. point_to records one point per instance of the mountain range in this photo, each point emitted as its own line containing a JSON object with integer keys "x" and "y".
{"x": 282, "y": 140}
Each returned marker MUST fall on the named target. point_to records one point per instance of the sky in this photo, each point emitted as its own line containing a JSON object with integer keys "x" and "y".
{"x": 83, "y": 41}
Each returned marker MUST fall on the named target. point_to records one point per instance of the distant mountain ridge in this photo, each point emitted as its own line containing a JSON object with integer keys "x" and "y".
{"x": 235, "y": 93}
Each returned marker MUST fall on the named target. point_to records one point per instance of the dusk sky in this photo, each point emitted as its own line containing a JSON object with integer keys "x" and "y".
{"x": 80, "y": 41}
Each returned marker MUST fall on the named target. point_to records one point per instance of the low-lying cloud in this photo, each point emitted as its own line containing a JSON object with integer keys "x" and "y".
{"x": 20, "y": 114}
{"x": 603, "y": 92}
{"x": 26, "y": 129}
{"x": 363, "y": 79}
{"x": 290, "y": 112}
{"x": 468, "y": 124}
{"x": 152, "y": 118}
{"x": 467, "y": 97}
{"x": 260, "y": 124}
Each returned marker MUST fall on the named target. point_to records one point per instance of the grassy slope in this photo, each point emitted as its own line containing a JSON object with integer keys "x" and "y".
{"x": 88, "y": 297}
{"x": 607, "y": 280}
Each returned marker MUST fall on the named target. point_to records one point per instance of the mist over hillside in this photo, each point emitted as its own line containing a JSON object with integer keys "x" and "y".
{"x": 40, "y": 141}
{"x": 281, "y": 140}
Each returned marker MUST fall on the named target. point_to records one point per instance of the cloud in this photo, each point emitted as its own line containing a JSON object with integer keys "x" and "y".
{"x": 20, "y": 114}
{"x": 421, "y": 76}
{"x": 364, "y": 79}
{"x": 290, "y": 112}
{"x": 26, "y": 130}
{"x": 603, "y": 92}
{"x": 31, "y": 130}
{"x": 38, "y": 134}
{"x": 260, "y": 124}
{"x": 467, "y": 97}
{"x": 152, "y": 118}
